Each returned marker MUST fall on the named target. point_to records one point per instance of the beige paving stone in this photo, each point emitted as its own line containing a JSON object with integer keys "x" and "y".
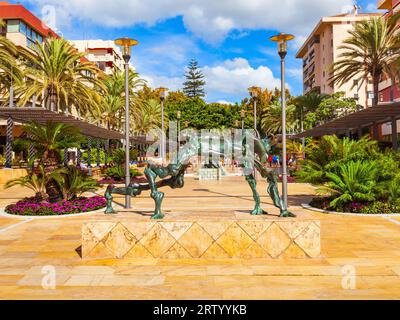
{"x": 254, "y": 228}
{"x": 119, "y": 241}
{"x": 157, "y": 241}
{"x": 370, "y": 244}
{"x": 196, "y": 241}
{"x": 309, "y": 240}
{"x": 274, "y": 241}
{"x": 176, "y": 229}
{"x": 235, "y": 241}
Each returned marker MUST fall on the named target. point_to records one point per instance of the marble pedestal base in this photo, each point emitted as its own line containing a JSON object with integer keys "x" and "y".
{"x": 243, "y": 239}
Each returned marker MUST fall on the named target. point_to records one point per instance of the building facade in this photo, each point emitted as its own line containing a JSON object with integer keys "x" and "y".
{"x": 104, "y": 53}
{"x": 22, "y": 27}
{"x": 389, "y": 90}
{"x": 321, "y": 50}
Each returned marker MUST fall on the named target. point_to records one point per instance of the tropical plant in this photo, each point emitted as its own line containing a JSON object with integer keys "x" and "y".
{"x": 35, "y": 181}
{"x": 118, "y": 173}
{"x": 271, "y": 121}
{"x": 147, "y": 116}
{"x": 48, "y": 140}
{"x": 73, "y": 183}
{"x": 118, "y": 156}
{"x": 329, "y": 153}
{"x": 112, "y": 105}
{"x": 59, "y": 75}
{"x": 355, "y": 182}
{"x": 371, "y": 51}
{"x": 10, "y": 70}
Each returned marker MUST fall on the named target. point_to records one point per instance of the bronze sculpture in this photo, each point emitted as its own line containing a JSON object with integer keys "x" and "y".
{"x": 254, "y": 162}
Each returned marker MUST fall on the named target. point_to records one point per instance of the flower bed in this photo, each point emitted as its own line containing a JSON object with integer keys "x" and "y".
{"x": 377, "y": 207}
{"x": 36, "y": 207}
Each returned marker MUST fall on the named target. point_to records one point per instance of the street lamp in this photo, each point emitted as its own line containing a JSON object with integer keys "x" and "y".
{"x": 282, "y": 40}
{"x": 254, "y": 95}
{"x": 243, "y": 116}
{"x": 126, "y": 44}
{"x": 178, "y": 117}
{"x": 163, "y": 94}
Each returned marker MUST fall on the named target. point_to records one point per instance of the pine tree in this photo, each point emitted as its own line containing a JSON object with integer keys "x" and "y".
{"x": 194, "y": 85}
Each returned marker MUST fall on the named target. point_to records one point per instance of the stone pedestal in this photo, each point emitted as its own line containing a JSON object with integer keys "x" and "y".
{"x": 224, "y": 239}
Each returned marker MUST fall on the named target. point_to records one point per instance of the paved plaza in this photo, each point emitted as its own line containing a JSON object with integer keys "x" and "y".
{"x": 363, "y": 247}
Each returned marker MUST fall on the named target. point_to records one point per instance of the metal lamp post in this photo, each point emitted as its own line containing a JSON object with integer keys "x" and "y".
{"x": 163, "y": 94}
{"x": 126, "y": 44}
{"x": 178, "y": 117}
{"x": 243, "y": 116}
{"x": 254, "y": 95}
{"x": 282, "y": 40}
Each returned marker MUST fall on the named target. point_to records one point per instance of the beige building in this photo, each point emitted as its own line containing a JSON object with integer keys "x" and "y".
{"x": 104, "y": 53}
{"x": 320, "y": 51}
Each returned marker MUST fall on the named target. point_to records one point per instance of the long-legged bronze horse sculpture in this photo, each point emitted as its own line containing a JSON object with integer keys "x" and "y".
{"x": 176, "y": 172}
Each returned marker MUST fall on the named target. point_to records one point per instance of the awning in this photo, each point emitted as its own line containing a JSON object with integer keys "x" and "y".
{"x": 42, "y": 115}
{"x": 383, "y": 113}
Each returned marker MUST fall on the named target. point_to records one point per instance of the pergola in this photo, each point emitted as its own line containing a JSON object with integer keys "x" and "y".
{"x": 369, "y": 117}
{"x": 42, "y": 115}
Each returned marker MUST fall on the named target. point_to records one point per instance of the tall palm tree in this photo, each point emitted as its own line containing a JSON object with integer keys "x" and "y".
{"x": 10, "y": 71}
{"x": 271, "y": 120}
{"x": 371, "y": 51}
{"x": 59, "y": 77}
{"x": 112, "y": 105}
{"x": 147, "y": 116}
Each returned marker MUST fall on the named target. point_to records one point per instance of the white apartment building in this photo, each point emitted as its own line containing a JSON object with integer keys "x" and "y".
{"x": 104, "y": 53}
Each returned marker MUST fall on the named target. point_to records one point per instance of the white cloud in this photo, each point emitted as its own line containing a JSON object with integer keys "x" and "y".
{"x": 209, "y": 19}
{"x": 233, "y": 77}
{"x": 229, "y": 79}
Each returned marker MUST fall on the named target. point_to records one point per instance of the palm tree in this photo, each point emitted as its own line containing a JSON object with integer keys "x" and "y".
{"x": 58, "y": 76}
{"x": 147, "y": 116}
{"x": 307, "y": 103}
{"x": 271, "y": 119}
{"x": 48, "y": 141}
{"x": 35, "y": 181}
{"x": 112, "y": 105}
{"x": 371, "y": 51}
{"x": 10, "y": 71}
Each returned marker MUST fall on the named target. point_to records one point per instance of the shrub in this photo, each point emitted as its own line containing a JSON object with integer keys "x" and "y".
{"x": 73, "y": 183}
{"x": 118, "y": 173}
{"x": 354, "y": 182}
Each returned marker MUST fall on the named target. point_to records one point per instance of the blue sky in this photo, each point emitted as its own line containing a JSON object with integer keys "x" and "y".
{"x": 229, "y": 38}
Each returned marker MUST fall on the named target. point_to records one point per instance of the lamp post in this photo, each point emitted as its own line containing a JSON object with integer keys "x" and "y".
{"x": 178, "y": 117}
{"x": 282, "y": 40}
{"x": 254, "y": 95}
{"x": 243, "y": 115}
{"x": 163, "y": 94}
{"x": 126, "y": 44}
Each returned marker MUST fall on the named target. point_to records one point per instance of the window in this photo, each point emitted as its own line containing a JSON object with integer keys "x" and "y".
{"x": 12, "y": 26}
{"x": 370, "y": 95}
{"x": 356, "y": 96}
{"x": 355, "y": 83}
{"x": 23, "y": 28}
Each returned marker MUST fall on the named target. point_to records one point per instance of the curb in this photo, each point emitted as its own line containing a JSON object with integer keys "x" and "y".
{"x": 385, "y": 215}
{"x": 64, "y": 216}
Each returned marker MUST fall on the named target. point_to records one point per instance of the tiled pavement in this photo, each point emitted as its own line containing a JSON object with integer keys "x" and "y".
{"x": 367, "y": 245}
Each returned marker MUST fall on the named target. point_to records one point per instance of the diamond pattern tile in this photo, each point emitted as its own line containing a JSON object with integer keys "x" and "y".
{"x": 235, "y": 241}
{"x": 157, "y": 241}
{"x": 196, "y": 241}
{"x": 119, "y": 241}
{"x": 274, "y": 241}
{"x": 202, "y": 240}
